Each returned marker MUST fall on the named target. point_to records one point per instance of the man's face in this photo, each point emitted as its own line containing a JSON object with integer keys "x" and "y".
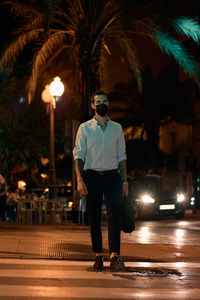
{"x": 98, "y": 100}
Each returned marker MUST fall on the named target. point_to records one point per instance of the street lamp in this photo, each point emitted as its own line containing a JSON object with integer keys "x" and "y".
{"x": 50, "y": 94}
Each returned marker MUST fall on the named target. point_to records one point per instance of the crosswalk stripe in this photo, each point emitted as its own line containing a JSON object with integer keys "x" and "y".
{"x": 106, "y": 263}
{"x": 71, "y": 280}
{"x": 93, "y": 293}
{"x": 53, "y": 274}
{"x": 45, "y": 262}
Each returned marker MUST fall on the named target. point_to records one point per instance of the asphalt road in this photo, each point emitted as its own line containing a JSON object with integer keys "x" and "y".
{"x": 162, "y": 261}
{"x": 29, "y": 279}
{"x": 165, "y": 240}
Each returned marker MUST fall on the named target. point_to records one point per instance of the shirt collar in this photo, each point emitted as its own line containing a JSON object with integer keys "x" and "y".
{"x": 95, "y": 121}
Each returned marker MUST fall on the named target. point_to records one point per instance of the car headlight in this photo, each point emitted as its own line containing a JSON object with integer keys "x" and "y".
{"x": 192, "y": 200}
{"x": 180, "y": 197}
{"x": 147, "y": 199}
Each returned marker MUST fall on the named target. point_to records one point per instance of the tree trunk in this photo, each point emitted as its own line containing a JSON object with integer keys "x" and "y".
{"x": 90, "y": 81}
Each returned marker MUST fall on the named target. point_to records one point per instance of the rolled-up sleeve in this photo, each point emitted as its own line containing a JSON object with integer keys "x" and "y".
{"x": 80, "y": 148}
{"x": 121, "y": 146}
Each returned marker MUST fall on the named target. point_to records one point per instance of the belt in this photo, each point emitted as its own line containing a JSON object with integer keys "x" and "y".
{"x": 105, "y": 172}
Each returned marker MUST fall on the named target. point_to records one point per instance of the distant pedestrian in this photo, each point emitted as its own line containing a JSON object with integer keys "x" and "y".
{"x": 3, "y": 204}
{"x": 2, "y": 198}
{"x": 100, "y": 152}
{"x": 12, "y": 200}
{"x": 2, "y": 180}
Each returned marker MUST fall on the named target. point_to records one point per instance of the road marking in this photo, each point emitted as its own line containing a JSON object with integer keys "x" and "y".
{"x": 53, "y": 274}
{"x": 48, "y": 262}
{"x": 47, "y": 278}
{"x": 93, "y": 293}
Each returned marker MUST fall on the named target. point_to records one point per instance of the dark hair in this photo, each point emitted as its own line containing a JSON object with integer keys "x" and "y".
{"x": 97, "y": 93}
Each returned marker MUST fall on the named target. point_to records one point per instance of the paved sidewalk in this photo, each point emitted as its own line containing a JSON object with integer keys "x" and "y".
{"x": 72, "y": 241}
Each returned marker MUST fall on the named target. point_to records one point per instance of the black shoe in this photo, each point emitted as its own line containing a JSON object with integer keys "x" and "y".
{"x": 116, "y": 264}
{"x": 98, "y": 265}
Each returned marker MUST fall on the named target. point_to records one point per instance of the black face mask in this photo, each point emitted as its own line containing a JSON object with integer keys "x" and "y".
{"x": 102, "y": 110}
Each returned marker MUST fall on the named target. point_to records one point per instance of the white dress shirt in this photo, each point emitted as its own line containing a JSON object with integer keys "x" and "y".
{"x": 100, "y": 150}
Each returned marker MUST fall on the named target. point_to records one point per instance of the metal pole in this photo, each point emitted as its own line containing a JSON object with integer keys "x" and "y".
{"x": 52, "y": 170}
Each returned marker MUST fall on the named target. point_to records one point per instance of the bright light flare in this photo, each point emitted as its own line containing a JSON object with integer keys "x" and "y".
{"x": 44, "y": 176}
{"x": 21, "y": 184}
{"x": 144, "y": 235}
{"x": 179, "y": 233}
{"x": 147, "y": 199}
{"x": 56, "y": 88}
{"x": 180, "y": 197}
{"x": 183, "y": 223}
{"x": 192, "y": 201}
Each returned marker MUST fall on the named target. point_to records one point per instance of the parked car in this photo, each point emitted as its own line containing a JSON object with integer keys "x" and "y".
{"x": 150, "y": 200}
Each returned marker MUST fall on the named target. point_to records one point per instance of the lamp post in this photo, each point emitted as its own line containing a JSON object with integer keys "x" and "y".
{"x": 50, "y": 94}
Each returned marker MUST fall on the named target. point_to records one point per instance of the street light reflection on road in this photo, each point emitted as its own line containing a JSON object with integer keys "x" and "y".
{"x": 179, "y": 233}
{"x": 183, "y": 223}
{"x": 180, "y": 236}
{"x": 145, "y": 264}
{"x": 150, "y": 294}
{"x": 145, "y": 235}
{"x": 180, "y": 264}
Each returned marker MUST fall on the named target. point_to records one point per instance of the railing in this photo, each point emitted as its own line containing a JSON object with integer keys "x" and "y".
{"x": 42, "y": 211}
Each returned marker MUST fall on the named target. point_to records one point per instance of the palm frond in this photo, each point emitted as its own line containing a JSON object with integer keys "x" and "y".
{"x": 67, "y": 29}
{"x": 102, "y": 13}
{"x": 106, "y": 47}
{"x": 94, "y": 14}
{"x": 76, "y": 14}
{"x": 189, "y": 27}
{"x": 173, "y": 48}
{"x": 16, "y": 47}
{"x": 130, "y": 54}
{"x": 72, "y": 17}
{"x": 79, "y": 6}
{"x": 54, "y": 42}
{"x": 32, "y": 24}
{"x": 143, "y": 26}
{"x": 18, "y": 9}
{"x": 103, "y": 72}
{"x": 107, "y": 21}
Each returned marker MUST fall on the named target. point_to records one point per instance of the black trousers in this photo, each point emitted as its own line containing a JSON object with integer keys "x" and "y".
{"x": 109, "y": 185}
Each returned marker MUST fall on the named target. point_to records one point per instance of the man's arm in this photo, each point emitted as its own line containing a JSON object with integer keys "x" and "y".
{"x": 79, "y": 157}
{"x": 122, "y": 169}
{"x": 81, "y": 186}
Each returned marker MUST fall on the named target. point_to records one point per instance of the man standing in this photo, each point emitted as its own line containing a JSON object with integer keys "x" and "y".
{"x": 100, "y": 152}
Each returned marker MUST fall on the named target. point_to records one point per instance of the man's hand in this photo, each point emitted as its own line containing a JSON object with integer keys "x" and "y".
{"x": 81, "y": 187}
{"x": 125, "y": 189}
{"x": 122, "y": 168}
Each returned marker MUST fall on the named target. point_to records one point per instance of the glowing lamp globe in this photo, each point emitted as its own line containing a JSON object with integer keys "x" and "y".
{"x": 46, "y": 96}
{"x": 56, "y": 88}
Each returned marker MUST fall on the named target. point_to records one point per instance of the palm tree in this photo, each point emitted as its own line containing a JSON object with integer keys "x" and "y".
{"x": 82, "y": 30}
{"x": 163, "y": 100}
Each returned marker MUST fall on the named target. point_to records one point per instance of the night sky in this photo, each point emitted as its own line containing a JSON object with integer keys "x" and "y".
{"x": 117, "y": 71}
